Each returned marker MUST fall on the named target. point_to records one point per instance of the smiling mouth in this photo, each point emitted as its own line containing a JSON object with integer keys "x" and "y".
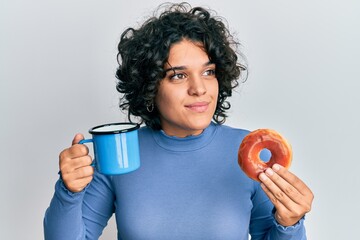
{"x": 199, "y": 107}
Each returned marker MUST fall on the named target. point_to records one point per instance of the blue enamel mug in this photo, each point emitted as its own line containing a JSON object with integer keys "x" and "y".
{"x": 116, "y": 147}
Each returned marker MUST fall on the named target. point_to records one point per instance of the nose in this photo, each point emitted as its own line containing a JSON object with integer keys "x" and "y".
{"x": 197, "y": 86}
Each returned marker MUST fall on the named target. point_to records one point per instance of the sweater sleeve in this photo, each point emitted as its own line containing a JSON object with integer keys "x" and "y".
{"x": 263, "y": 225}
{"x": 80, "y": 215}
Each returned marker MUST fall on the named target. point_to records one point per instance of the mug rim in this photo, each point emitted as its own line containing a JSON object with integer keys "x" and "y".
{"x": 136, "y": 126}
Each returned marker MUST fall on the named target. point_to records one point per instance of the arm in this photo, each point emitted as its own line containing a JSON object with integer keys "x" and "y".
{"x": 81, "y": 215}
{"x": 63, "y": 218}
{"x": 82, "y": 202}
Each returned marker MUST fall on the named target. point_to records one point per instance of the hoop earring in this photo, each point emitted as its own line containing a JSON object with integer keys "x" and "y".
{"x": 150, "y": 106}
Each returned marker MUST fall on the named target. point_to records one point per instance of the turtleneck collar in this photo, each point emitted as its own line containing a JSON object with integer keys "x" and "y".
{"x": 186, "y": 144}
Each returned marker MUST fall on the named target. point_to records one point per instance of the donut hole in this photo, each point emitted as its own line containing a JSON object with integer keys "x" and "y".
{"x": 265, "y": 155}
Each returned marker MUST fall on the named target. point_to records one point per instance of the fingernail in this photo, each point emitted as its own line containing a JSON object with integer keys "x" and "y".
{"x": 276, "y": 167}
{"x": 262, "y": 177}
{"x": 269, "y": 172}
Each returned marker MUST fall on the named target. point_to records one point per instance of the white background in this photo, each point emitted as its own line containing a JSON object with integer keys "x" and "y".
{"x": 57, "y": 66}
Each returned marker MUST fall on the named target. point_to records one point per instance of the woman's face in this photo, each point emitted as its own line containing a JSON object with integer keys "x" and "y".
{"x": 187, "y": 96}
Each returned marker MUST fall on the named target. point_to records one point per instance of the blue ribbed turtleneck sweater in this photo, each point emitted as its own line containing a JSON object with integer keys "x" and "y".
{"x": 186, "y": 188}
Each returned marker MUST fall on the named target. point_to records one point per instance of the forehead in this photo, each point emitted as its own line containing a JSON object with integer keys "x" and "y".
{"x": 187, "y": 51}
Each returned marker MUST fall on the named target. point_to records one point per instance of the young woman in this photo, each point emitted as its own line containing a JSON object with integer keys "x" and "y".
{"x": 175, "y": 73}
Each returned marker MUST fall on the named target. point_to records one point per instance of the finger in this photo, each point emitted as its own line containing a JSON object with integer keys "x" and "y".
{"x": 79, "y": 184}
{"x": 84, "y": 172}
{"x": 78, "y": 137}
{"x": 291, "y": 179}
{"x": 75, "y": 151}
{"x": 275, "y": 194}
{"x": 306, "y": 195}
{"x": 277, "y": 204}
{"x": 77, "y": 174}
{"x": 70, "y": 165}
{"x": 284, "y": 187}
{"x": 284, "y": 215}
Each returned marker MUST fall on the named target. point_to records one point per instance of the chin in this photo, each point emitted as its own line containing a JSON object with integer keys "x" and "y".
{"x": 201, "y": 125}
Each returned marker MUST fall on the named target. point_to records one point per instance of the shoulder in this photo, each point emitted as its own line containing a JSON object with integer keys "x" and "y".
{"x": 232, "y": 131}
{"x": 229, "y": 135}
{"x": 144, "y": 130}
{"x": 145, "y": 134}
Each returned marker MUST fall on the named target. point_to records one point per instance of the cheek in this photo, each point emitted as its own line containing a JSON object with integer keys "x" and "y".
{"x": 214, "y": 89}
{"x": 166, "y": 101}
{"x": 168, "y": 95}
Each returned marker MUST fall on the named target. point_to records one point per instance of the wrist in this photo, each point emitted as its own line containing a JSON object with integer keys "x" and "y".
{"x": 285, "y": 222}
{"x": 288, "y": 222}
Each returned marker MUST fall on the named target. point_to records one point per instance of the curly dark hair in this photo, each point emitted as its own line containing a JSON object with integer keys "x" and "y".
{"x": 143, "y": 53}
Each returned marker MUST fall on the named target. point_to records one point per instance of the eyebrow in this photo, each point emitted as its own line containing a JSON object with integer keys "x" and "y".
{"x": 184, "y": 67}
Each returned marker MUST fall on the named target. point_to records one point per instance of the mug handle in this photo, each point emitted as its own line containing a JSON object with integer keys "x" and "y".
{"x": 88, "y": 141}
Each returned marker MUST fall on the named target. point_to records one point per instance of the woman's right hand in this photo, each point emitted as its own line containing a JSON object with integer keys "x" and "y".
{"x": 75, "y": 165}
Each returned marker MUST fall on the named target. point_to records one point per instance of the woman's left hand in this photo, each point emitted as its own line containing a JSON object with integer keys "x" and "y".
{"x": 290, "y": 196}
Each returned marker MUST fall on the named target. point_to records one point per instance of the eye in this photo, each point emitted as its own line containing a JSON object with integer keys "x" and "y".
{"x": 177, "y": 76}
{"x": 209, "y": 72}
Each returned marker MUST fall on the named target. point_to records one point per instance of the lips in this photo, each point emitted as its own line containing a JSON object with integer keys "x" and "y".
{"x": 198, "y": 107}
